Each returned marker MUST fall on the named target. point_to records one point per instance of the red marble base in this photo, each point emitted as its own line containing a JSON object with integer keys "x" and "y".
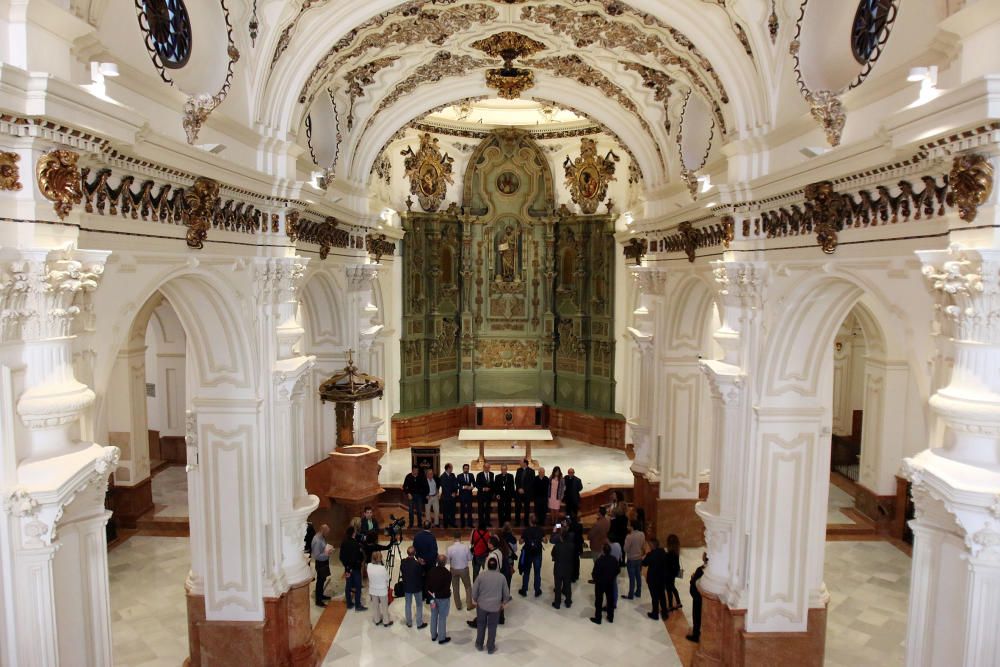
{"x": 666, "y": 516}
{"x": 725, "y": 641}
{"x": 283, "y": 639}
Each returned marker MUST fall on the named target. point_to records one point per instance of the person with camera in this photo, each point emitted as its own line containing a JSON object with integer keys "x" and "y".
{"x": 491, "y": 594}
{"x": 449, "y": 496}
{"x": 531, "y": 557}
{"x": 466, "y": 482}
{"x": 352, "y": 557}
{"x": 320, "y": 552}
{"x": 413, "y": 587}
{"x": 438, "y": 584}
{"x": 415, "y": 488}
{"x": 524, "y": 487}
{"x": 505, "y": 490}
{"x": 484, "y": 492}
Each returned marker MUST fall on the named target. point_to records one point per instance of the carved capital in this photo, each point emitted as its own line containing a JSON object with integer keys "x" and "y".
{"x": 361, "y": 276}
{"x": 967, "y": 283}
{"x": 279, "y": 278}
{"x": 739, "y": 283}
{"x": 58, "y": 176}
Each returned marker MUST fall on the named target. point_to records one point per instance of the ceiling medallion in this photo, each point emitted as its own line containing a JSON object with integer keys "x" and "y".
{"x": 587, "y": 176}
{"x": 509, "y": 81}
{"x": 429, "y": 172}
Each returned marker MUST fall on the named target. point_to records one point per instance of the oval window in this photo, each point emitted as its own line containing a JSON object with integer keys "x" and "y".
{"x": 169, "y": 31}
{"x": 868, "y": 31}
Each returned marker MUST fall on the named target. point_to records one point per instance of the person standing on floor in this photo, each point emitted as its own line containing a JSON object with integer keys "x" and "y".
{"x": 617, "y": 554}
{"x": 352, "y": 557}
{"x": 531, "y": 553}
{"x": 438, "y": 583}
{"x": 655, "y": 563}
{"x": 480, "y": 541}
{"x": 459, "y": 556}
{"x": 320, "y": 552}
{"x": 563, "y": 555}
{"x": 571, "y": 494}
{"x": 557, "y": 487}
{"x": 605, "y": 572}
{"x": 378, "y": 590}
{"x": 484, "y": 493}
{"x": 599, "y": 536}
{"x": 540, "y": 497}
{"x": 466, "y": 482}
{"x": 576, "y": 530}
{"x": 673, "y": 571}
{"x": 433, "y": 517}
{"x": 415, "y": 488}
{"x": 490, "y": 594}
{"x": 695, "y": 635}
{"x": 413, "y": 587}
{"x": 449, "y": 496}
{"x": 524, "y": 487}
{"x": 635, "y": 545}
{"x": 505, "y": 492}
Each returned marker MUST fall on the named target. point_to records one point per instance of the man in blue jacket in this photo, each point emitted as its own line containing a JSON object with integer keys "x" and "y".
{"x": 425, "y": 548}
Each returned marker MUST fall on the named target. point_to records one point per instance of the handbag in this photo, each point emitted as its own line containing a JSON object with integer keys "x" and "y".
{"x": 398, "y": 590}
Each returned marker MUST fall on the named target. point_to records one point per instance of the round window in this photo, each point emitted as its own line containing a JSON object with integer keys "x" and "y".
{"x": 868, "y": 32}
{"x": 169, "y": 31}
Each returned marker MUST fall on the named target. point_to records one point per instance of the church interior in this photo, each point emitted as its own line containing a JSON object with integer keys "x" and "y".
{"x": 268, "y": 264}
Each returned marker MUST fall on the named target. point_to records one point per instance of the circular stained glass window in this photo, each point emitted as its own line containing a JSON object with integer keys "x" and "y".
{"x": 868, "y": 32}
{"x": 168, "y": 32}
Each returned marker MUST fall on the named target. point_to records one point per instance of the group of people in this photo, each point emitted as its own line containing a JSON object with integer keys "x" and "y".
{"x": 446, "y": 500}
{"x": 484, "y": 568}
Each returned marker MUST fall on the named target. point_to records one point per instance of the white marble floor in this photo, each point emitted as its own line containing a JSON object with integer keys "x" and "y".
{"x": 170, "y": 493}
{"x": 838, "y": 499}
{"x": 595, "y": 466}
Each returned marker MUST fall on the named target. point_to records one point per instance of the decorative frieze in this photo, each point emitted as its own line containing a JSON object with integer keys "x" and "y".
{"x": 378, "y": 245}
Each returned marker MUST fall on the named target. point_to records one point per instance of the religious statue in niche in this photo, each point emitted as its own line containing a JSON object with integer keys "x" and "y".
{"x": 587, "y": 176}
{"x": 429, "y": 172}
{"x": 508, "y": 251}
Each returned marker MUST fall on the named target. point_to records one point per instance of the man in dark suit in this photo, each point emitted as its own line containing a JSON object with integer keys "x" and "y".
{"x": 563, "y": 555}
{"x": 541, "y": 497}
{"x": 571, "y": 496}
{"x": 449, "y": 495}
{"x": 655, "y": 563}
{"x": 484, "y": 491}
{"x": 466, "y": 482}
{"x": 505, "y": 491}
{"x": 415, "y": 488}
{"x": 605, "y": 573}
{"x": 524, "y": 487}
{"x": 368, "y": 533}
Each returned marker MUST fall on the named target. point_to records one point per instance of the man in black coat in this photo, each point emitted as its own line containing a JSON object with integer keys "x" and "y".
{"x": 449, "y": 496}
{"x": 655, "y": 563}
{"x": 466, "y": 482}
{"x": 563, "y": 556}
{"x": 576, "y": 530}
{"x": 605, "y": 573}
{"x": 695, "y": 635}
{"x": 505, "y": 492}
{"x": 524, "y": 488}
{"x": 415, "y": 488}
{"x": 412, "y": 573}
{"x": 485, "y": 481}
{"x": 571, "y": 494}
{"x": 541, "y": 497}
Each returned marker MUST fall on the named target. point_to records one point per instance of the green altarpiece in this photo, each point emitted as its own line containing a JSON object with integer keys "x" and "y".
{"x": 506, "y": 296}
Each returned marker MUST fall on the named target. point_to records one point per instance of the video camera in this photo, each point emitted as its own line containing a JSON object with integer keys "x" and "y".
{"x": 395, "y": 528}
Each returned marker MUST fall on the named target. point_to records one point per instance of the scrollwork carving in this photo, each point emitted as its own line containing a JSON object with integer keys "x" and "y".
{"x": 635, "y": 250}
{"x": 828, "y": 213}
{"x": 429, "y": 172}
{"x": 970, "y": 184}
{"x": 58, "y": 177}
{"x": 588, "y": 175}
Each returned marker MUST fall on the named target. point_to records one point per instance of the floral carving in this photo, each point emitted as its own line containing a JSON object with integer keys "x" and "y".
{"x": 59, "y": 180}
{"x": 361, "y": 76}
{"x": 826, "y": 107}
{"x": 292, "y": 225}
{"x": 829, "y": 212}
{"x": 587, "y": 176}
{"x": 509, "y": 81}
{"x": 659, "y": 82}
{"x": 970, "y": 184}
{"x": 200, "y": 201}
{"x": 377, "y": 245}
{"x": 429, "y": 172}
{"x": 504, "y": 353}
{"x": 9, "y": 173}
{"x": 635, "y": 250}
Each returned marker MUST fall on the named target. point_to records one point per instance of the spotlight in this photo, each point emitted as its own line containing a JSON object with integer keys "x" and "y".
{"x": 927, "y": 74}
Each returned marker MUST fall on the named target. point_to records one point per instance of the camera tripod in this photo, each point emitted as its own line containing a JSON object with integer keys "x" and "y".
{"x": 394, "y": 556}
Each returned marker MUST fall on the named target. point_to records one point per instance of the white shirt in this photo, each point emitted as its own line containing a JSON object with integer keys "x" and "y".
{"x": 432, "y": 487}
{"x": 378, "y": 580}
{"x": 459, "y": 556}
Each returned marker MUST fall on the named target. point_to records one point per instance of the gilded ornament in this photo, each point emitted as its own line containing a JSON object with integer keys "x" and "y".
{"x": 506, "y": 353}
{"x": 970, "y": 184}
{"x": 826, "y": 107}
{"x": 377, "y": 245}
{"x": 587, "y": 176}
{"x": 9, "y": 173}
{"x": 635, "y": 250}
{"x": 429, "y": 172}
{"x": 200, "y": 202}
{"x": 292, "y": 225}
{"x": 689, "y": 239}
{"x": 58, "y": 177}
{"x": 829, "y": 212}
{"x": 509, "y": 81}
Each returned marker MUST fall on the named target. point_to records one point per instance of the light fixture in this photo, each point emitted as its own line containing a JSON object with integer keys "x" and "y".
{"x": 926, "y": 75}
{"x": 98, "y": 72}
{"x": 108, "y": 69}
{"x": 706, "y": 183}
